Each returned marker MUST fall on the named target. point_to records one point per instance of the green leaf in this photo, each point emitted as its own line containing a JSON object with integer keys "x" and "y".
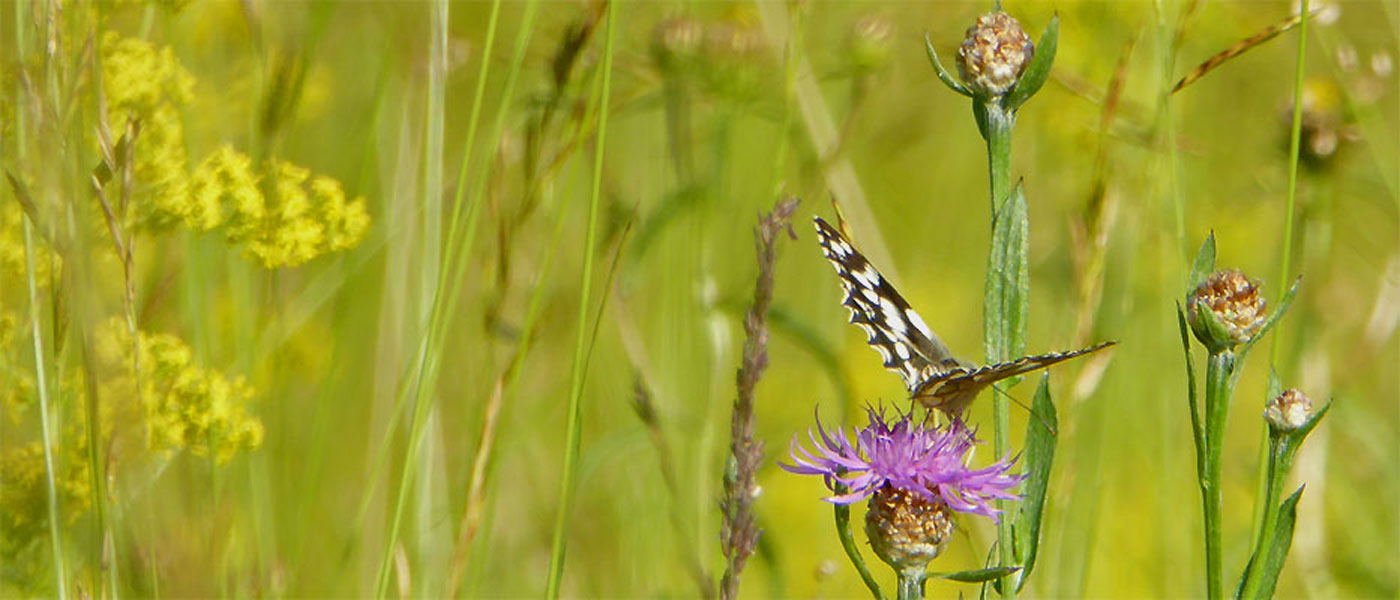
{"x": 1302, "y": 432}
{"x": 978, "y": 575}
{"x": 1008, "y": 280}
{"x": 1038, "y": 72}
{"x": 1283, "y": 304}
{"x": 1204, "y": 265}
{"x": 1218, "y": 337}
{"x": 943, "y": 74}
{"x": 1039, "y": 456}
{"x": 979, "y": 114}
{"x": 1198, "y": 432}
{"x": 1272, "y": 562}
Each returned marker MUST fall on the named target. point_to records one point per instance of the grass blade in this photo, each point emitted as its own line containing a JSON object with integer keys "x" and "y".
{"x": 575, "y": 418}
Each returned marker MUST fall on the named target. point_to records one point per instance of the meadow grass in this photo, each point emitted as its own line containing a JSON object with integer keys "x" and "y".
{"x": 259, "y": 338}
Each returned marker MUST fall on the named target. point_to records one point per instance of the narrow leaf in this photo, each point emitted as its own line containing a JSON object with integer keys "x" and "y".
{"x": 943, "y": 74}
{"x": 1302, "y": 432}
{"x": 1283, "y": 304}
{"x": 1205, "y": 263}
{"x": 1039, "y": 457}
{"x": 1038, "y": 72}
{"x": 978, "y": 575}
{"x": 1198, "y": 434}
{"x": 1008, "y": 294}
{"x": 1283, "y": 539}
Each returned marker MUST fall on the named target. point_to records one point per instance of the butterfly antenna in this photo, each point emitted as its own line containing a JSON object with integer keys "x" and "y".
{"x": 1038, "y": 417}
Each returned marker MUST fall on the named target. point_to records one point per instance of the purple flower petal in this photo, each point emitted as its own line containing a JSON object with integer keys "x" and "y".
{"x": 927, "y": 460}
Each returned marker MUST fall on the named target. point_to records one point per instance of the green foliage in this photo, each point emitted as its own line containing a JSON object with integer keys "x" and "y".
{"x": 289, "y": 242}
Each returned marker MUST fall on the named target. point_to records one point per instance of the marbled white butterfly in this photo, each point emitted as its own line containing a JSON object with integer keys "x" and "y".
{"x": 934, "y": 377}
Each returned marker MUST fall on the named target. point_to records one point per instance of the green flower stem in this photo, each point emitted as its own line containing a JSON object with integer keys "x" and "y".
{"x": 996, "y": 123}
{"x": 911, "y": 584}
{"x": 1219, "y": 380}
{"x": 848, "y": 543}
{"x": 1280, "y": 463}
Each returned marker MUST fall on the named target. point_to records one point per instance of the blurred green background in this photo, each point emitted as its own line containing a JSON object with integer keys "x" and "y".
{"x": 715, "y": 109}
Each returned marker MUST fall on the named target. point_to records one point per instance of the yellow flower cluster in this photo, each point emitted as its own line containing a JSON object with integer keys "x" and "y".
{"x": 18, "y": 387}
{"x": 149, "y": 86}
{"x": 186, "y": 407}
{"x": 299, "y": 217}
{"x": 281, "y": 214}
{"x": 13, "y": 269}
{"x": 24, "y": 492}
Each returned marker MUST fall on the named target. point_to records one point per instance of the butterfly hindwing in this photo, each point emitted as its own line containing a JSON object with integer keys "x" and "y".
{"x": 892, "y": 328}
{"x": 993, "y": 373}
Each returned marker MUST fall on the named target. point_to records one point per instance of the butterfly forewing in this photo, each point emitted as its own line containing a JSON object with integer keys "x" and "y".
{"x": 892, "y": 328}
{"x": 933, "y": 376}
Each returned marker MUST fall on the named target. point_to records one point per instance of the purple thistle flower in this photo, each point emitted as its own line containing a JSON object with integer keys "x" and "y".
{"x": 928, "y": 461}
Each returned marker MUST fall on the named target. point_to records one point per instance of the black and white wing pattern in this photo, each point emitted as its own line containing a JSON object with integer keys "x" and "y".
{"x": 933, "y": 376}
{"x": 892, "y": 328}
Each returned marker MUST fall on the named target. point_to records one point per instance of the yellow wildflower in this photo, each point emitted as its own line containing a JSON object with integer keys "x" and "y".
{"x": 225, "y": 178}
{"x": 148, "y": 86}
{"x": 185, "y": 406}
{"x": 24, "y": 492}
{"x": 304, "y": 217}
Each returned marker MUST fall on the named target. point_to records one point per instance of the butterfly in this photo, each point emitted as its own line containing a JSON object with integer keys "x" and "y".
{"x": 934, "y": 377}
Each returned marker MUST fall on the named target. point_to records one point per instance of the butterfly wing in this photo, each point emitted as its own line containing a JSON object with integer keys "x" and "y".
{"x": 954, "y": 390}
{"x": 892, "y": 328}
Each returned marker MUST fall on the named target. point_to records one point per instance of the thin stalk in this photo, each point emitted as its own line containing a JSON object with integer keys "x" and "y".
{"x": 1280, "y": 462}
{"x": 1219, "y": 378}
{"x": 41, "y": 384}
{"x": 448, "y": 288}
{"x": 1294, "y": 142}
{"x": 848, "y": 543}
{"x": 457, "y": 224}
{"x": 999, "y": 123}
{"x": 575, "y": 418}
{"x": 40, "y": 365}
{"x": 911, "y": 584}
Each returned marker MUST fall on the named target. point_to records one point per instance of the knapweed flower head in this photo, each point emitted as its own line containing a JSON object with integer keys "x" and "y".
{"x": 1225, "y": 310}
{"x": 1288, "y": 411}
{"x": 928, "y": 461}
{"x": 993, "y": 54}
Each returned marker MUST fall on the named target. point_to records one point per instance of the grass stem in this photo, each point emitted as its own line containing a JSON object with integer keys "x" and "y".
{"x": 575, "y": 418}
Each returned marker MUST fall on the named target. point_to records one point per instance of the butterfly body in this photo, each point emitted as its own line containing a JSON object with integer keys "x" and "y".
{"x": 933, "y": 376}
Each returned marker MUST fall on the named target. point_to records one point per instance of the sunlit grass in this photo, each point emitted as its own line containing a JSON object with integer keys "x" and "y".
{"x": 414, "y": 388}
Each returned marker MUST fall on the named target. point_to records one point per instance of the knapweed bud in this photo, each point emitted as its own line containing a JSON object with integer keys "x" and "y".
{"x": 676, "y": 43}
{"x": 1288, "y": 411}
{"x": 994, "y": 54}
{"x": 1226, "y": 310}
{"x": 871, "y": 43}
{"x": 907, "y": 530}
